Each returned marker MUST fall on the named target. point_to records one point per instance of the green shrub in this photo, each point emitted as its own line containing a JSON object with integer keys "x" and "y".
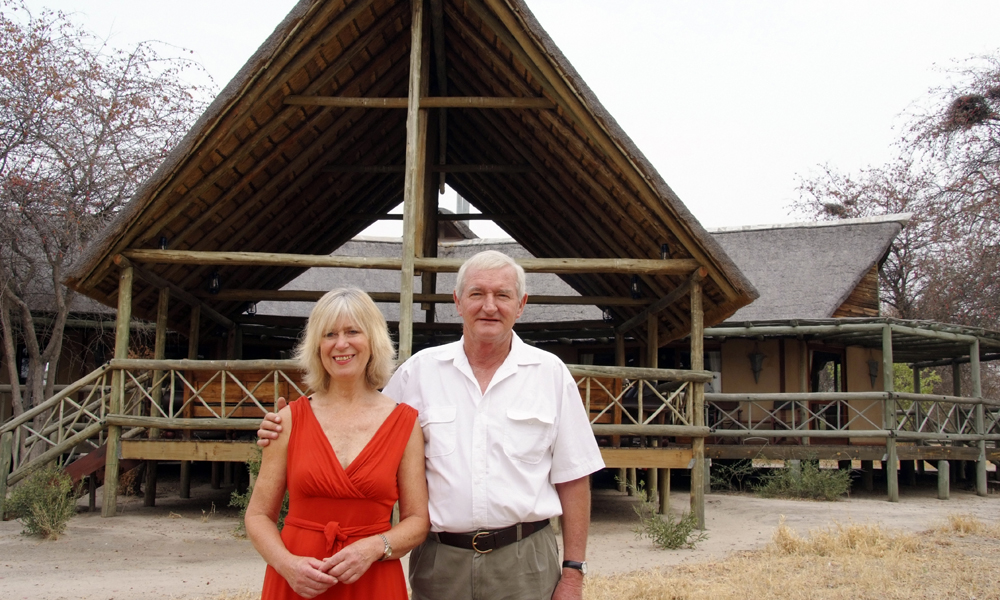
{"x": 241, "y": 501}
{"x": 44, "y": 502}
{"x": 810, "y": 482}
{"x": 668, "y": 531}
{"x": 732, "y": 478}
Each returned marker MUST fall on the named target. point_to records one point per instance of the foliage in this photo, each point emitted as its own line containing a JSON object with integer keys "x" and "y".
{"x": 241, "y": 501}
{"x": 902, "y": 377}
{"x": 82, "y": 125}
{"x": 809, "y": 481}
{"x": 668, "y": 531}
{"x": 943, "y": 264}
{"x": 732, "y": 478}
{"x": 44, "y": 502}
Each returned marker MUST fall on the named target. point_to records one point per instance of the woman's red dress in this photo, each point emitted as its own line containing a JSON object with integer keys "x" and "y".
{"x": 331, "y": 507}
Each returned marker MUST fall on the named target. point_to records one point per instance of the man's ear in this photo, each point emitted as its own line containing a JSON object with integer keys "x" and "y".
{"x": 524, "y": 302}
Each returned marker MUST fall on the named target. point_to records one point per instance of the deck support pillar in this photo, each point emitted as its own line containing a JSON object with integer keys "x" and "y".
{"x": 698, "y": 403}
{"x": 159, "y": 353}
{"x": 194, "y": 334}
{"x": 889, "y": 418}
{"x": 980, "y": 418}
{"x": 116, "y": 401}
{"x": 943, "y": 479}
{"x": 868, "y": 475}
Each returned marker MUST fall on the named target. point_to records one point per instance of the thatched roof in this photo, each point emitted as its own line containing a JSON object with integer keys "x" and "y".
{"x": 258, "y": 174}
{"x": 807, "y": 270}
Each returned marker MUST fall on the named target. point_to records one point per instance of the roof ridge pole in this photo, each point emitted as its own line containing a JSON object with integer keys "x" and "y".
{"x": 977, "y": 392}
{"x": 889, "y": 416}
{"x": 413, "y": 187}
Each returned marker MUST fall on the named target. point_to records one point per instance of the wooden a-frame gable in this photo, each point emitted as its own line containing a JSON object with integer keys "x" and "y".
{"x": 353, "y": 106}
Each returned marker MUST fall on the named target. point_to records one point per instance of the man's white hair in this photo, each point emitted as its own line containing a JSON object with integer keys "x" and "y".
{"x": 490, "y": 260}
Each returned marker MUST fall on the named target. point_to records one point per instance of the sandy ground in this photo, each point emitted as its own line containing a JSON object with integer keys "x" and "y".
{"x": 184, "y": 550}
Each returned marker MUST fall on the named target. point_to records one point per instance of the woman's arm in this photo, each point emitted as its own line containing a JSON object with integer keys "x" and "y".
{"x": 303, "y": 574}
{"x": 414, "y": 521}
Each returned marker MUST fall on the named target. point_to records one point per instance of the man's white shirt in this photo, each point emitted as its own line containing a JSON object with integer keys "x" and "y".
{"x": 493, "y": 458}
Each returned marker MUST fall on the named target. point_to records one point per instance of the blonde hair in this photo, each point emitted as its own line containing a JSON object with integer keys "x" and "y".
{"x": 358, "y": 307}
{"x": 490, "y": 260}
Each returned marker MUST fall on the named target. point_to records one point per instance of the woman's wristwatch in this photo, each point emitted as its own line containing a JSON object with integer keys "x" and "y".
{"x": 387, "y": 552}
{"x": 579, "y": 566}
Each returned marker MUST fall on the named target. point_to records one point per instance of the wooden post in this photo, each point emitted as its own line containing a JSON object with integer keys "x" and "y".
{"x": 889, "y": 417}
{"x": 6, "y": 456}
{"x": 868, "y": 475}
{"x": 194, "y": 333}
{"x": 977, "y": 392}
{"x": 653, "y": 361}
{"x": 625, "y": 475}
{"x": 116, "y": 401}
{"x": 698, "y": 404}
{"x": 943, "y": 479}
{"x": 159, "y": 353}
{"x": 413, "y": 187}
{"x": 804, "y": 386}
{"x": 92, "y": 492}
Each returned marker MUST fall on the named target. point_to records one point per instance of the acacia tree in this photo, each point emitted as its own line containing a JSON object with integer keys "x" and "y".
{"x": 82, "y": 124}
{"x": 943, "y": 265}
{"x": 893, "y": 189}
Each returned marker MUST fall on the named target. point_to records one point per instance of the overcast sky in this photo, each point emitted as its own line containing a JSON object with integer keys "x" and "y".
{"x": 730, "y": 100}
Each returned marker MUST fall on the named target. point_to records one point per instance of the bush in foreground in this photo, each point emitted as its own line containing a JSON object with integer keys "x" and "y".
{"x": 241, "y": 501}
{"x": 44, "y": 502}
{"x": 668, "y": 531}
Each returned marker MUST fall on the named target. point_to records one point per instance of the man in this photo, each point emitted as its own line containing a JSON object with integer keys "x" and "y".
{"x": 507, "y": 445}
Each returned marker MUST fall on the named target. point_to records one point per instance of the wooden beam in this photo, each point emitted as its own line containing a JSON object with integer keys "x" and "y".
{"x": 488, "y": 102}
{"x": 439, "y": 168}
{"x": 697, "y": 402}
{"x": 560, "y": 266}
{"x": 178, "y": 291}
{"x": 413, "y": 187}
{"x": 185, "y": 424}
{"x": 221, "y": 451}
{"x": 647, "y": 458}
{"x": 440, "y": 217}
{"x": 314, "y": 295}
{"x": 441, "y": 72}
{"x": 659, "y": 305}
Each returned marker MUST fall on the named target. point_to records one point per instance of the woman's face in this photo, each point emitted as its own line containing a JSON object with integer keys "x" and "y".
{"x": 345, "y": 351}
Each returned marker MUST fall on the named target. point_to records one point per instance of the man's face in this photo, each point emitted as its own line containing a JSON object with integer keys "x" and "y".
{"x": 489, "y": 305}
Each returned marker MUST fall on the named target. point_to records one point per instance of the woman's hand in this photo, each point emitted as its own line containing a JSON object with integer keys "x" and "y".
{"x": 348, "y": 565}
{"x": 306, "y": 576}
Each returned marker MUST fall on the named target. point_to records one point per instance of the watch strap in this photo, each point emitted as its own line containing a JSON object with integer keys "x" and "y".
{"x": 572, "y": 564}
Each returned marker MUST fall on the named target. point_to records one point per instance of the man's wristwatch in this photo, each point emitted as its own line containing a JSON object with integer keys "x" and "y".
{"x": 579, "y": 566}
{"x": 387, "y": 552}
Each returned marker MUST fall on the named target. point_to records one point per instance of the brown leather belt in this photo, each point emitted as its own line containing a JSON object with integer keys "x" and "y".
{"x": 489, "y": 540}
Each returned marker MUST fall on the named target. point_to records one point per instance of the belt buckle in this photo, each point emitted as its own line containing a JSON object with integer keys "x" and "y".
{"x": 475, "y": 537}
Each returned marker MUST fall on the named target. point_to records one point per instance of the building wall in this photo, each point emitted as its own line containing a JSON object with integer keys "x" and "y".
{"x": 860, "y": 412}
{"x": 737, "y": 376}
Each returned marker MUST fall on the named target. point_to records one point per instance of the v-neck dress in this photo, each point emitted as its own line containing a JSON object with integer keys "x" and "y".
{"x": 331, "y": 507}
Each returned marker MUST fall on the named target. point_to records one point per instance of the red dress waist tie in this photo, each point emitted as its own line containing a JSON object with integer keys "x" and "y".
{"x": 338, "y": 537}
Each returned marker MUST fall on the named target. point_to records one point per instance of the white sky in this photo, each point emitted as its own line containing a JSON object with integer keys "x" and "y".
{"x": 730, "y": 100}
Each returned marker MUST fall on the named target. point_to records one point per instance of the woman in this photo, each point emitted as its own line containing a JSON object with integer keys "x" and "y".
{"x": 349, "y": 453}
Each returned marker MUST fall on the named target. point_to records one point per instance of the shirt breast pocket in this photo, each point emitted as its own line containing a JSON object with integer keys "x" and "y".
{"x": 527, "y": 435}
{"x": 440, "y": 430}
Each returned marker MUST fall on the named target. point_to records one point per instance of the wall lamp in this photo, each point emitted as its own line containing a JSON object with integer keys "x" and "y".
{"x": 607, "y": 316}
{"x": 756, "y": 363}
{"x": 251, "y": 309}
{"x": 215, "y": 283}
{"x": 873, "y": 370}
{"x": 635, "y": 288}
{"x": 664, "y": 251}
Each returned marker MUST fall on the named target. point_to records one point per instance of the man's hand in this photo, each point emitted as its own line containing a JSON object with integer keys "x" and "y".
{"x": 270, "y": 427}
{"x": 570, "y": 586}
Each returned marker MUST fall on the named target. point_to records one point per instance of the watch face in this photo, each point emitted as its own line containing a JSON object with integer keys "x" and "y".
{"x": 583, "y": 567}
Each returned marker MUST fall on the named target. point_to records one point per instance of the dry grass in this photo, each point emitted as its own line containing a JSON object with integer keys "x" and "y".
{"x": 956, "y": 560}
